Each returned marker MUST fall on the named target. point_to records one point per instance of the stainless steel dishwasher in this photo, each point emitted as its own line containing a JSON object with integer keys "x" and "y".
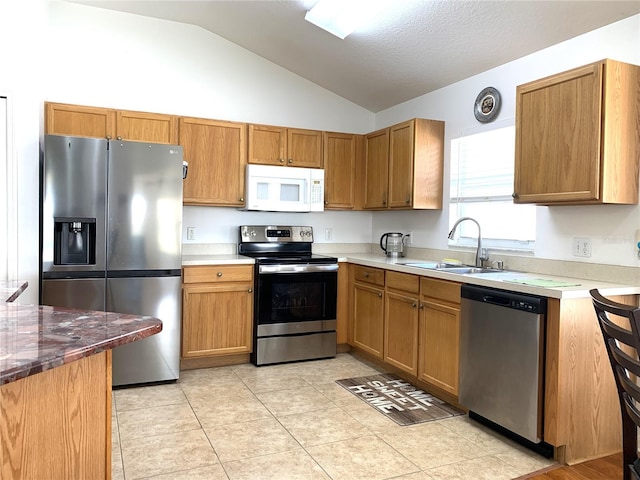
{"x": 502, "y": 361}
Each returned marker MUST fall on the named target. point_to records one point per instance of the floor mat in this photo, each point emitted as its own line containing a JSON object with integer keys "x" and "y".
{"x": 400, "y": 401}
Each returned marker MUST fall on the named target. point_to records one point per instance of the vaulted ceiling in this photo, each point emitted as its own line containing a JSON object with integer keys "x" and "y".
{"x": 412, "y": 48}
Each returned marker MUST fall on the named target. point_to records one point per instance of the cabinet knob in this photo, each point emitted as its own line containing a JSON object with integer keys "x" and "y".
{"x": 380, "y": 295}
{"x": 219, "y": 274}
{"x": 118, "y": 137}
{"x": 414, "y": 305}
{"x": 366, "y": 274}
{"x": 281, "y": 160}
{"x": 291, "y": 160}
{"x": 384, "y": 202}
{"x": 242, "y": 199}
{"x": 421, "y": 306}
{"x": 407, "y": 201}
{"x": 514, "y": 195}
{"x": 250, "y": 290}
{"x": 326, "y": 202}
{"x": 108, "y": 137}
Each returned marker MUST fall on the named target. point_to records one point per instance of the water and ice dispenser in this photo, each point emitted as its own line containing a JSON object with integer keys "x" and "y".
{"x": 74, "y": 241}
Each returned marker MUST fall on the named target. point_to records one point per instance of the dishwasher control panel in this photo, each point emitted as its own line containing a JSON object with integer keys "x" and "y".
{"x": 505, "y": 298}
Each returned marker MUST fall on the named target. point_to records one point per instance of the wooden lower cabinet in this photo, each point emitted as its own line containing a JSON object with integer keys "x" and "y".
{"x": 57, "y": 424}
{"x": 440, "y": 334}
{"x": 401, "y": 321}
{"x": 217, "y": 310}
{"x": 342, "y": 306}
{"x": 368, "y": 310}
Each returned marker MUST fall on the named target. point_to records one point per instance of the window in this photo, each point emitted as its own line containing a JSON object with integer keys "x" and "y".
{"x": 481, "y": 187}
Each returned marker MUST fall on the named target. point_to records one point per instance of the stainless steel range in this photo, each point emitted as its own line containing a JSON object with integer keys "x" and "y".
{"x": 295, "y": 294}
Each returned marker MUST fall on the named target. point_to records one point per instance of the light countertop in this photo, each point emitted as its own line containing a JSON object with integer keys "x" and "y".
{"x": 505, "y": 280}
{"x": 499, "y": 279}
{"x": 216, "y": 259}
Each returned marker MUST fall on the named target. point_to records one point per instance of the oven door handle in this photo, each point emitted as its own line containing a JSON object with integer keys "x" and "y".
{"x": 297, "y": 268}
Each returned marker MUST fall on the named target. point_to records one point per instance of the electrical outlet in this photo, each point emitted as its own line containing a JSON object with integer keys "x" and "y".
{"x": 191, "y": 233}
{"x": 582, "y": 247}
{"x": 409, "y": 240}
{"x": 328, "y": 234}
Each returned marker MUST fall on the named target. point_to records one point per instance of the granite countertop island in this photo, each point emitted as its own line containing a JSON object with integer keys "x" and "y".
{"x": 55, "y": 389}
{"x": 34, "y": 339}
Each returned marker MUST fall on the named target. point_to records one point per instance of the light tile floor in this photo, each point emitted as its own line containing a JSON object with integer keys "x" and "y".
{"x": 293, "y": 421}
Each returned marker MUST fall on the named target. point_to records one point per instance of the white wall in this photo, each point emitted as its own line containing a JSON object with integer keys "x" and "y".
{"x": 21, "y": 79}
{"x": 72, "y": 53}
{"x": 611, "y": 227}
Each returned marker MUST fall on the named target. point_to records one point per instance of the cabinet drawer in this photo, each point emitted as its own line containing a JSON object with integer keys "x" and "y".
{"x": 403, "y": 281}
{"x": 374, "y": 276}
{"x": 440, "y": 289}
{"x": 218, "y": 273}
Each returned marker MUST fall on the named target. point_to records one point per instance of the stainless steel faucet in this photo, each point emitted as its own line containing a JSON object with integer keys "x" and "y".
{"x": 480, "y": 252}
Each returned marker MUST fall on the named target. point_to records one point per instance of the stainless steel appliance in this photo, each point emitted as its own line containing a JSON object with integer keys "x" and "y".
{"x": 392, "y": 244}
{"x": 502, "y": 361}
{"x": 295, "y": 294}
{"x": 111, "y": 240}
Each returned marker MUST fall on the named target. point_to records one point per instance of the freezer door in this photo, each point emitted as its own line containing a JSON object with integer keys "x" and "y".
{"x": 82, "y": 293}
{"x": 155, "y": 358}
{"x": 144, "y": 206}
{"x": 74, "y": 186}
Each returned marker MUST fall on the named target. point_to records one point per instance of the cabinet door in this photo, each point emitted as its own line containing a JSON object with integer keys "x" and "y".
{"x": 558, "y": 137}
{"x": 439, "y": 345}
{"x": 267, "y": 145}
{"x": 339, "y": 170}
{"x": 376, "y": 169}
{"x": 342, "y": 307}
{"x": 147, "y": 127}
{"x": 368, "y": 319}
{"x": 401, "y": 165}
{"x": 78, "y": 120}
{"x": 217, "y": 319}
{"x": 401, "y": 332}
{"x": 216, "y": 152}
{"x": 304, "y": 148}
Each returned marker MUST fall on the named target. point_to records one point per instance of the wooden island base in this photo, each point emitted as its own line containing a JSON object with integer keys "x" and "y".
{"x": 57, "y": 424}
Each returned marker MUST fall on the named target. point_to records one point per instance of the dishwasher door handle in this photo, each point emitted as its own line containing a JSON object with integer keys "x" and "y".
{"x": 496, "y": 300}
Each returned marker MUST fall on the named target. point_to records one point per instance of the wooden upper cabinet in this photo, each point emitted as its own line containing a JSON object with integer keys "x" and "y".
{"x": 147, "y": 127}
{"x": 83, "y": 121}
{"x": 577, "y": 136}
{"x": 416, "y": 164}
{"x": 304, "y": 148}
{"x": 217, "y": 156}
{"x": 294, "y": 147}
{"x": 404, "y": 166}
{"x": 341, "y": 153}
{"x": 376, "y": 169}
{"x": 78, "y": 120}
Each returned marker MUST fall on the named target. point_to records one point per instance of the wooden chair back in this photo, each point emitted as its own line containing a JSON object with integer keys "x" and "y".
{"x": 623, "y": 344}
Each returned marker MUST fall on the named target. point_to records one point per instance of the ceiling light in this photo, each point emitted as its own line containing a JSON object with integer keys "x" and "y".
{"x": 342, "y": 17}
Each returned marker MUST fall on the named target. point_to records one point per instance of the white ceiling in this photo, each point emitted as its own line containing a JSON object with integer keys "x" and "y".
{"x": 413, "y": 48}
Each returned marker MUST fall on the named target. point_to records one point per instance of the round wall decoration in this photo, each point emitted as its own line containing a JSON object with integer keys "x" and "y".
{"x": 487, "y": 105}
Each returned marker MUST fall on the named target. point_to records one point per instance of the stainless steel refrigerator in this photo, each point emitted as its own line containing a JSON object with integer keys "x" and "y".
{"x": 111, "y": 240}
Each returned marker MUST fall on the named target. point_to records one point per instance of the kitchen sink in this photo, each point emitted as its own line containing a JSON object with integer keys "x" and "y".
{"x": 452, "y": 268}
{"x": 466, "y": 269}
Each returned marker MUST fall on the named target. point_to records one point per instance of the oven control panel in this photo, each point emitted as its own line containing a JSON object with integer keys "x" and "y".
{"x": 275, "y": 233}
